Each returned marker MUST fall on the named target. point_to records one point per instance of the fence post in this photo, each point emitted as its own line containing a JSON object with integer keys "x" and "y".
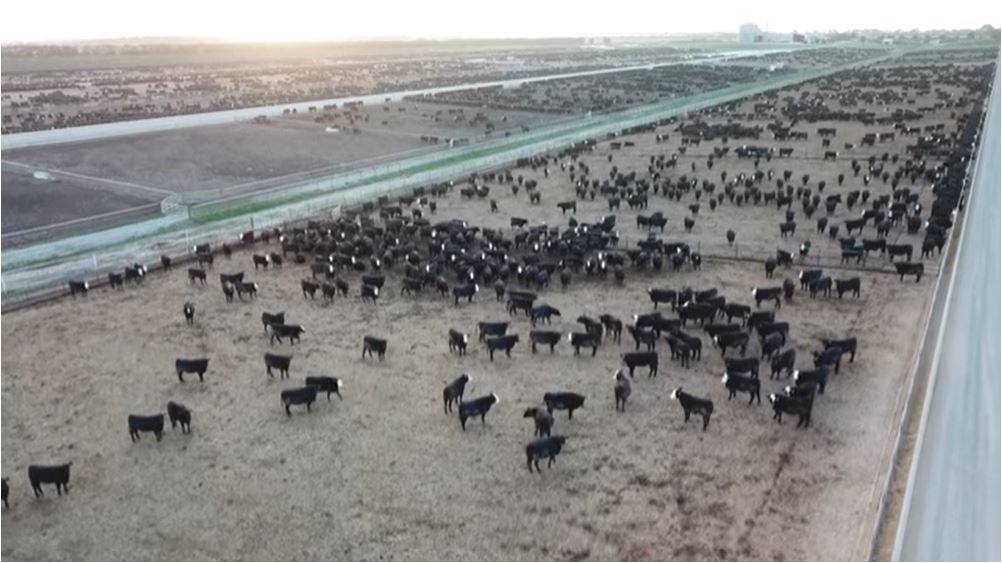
{"x": 93, "y": 258}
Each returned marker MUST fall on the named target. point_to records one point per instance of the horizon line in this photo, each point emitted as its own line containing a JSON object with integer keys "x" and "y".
{"x": 412, "y": 38}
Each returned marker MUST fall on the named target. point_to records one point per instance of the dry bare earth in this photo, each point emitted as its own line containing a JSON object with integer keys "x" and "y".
{"x": 29, "y": 202}
{"x": 385, "y": 474}
{"x": 213, "y": 157}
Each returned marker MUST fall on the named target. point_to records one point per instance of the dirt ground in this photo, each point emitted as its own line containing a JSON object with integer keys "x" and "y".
{"x": 28, "y": 202}
{"x": 224, "y": 156}
{"x": 385, "y": 474}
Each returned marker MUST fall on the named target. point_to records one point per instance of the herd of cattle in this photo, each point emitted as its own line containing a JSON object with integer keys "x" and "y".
{"x": 455, "y": 260}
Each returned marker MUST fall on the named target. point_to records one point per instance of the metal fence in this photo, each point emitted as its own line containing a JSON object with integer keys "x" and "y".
{"x": 37, "y": 270}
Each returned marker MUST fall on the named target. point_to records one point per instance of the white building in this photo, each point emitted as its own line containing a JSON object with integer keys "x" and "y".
{"x": 748, "y": 33}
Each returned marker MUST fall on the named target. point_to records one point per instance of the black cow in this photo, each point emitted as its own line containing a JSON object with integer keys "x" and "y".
{"x": 453, "y": 392}
{"x": 760, "y": 317}
{"x": 189, "y": 312}
{"x": 369, "y": 293}
{"x": 854, "y": 225}
{"x": 908, "y": 269}
{"x": 249, "y": 288}
{"x": 621, "y": 390}
{"x": 457, "y": 341}
{"x": 491, "y": 329}
{"x": 735, "y": 382}
{"x": 298, "y": 396}
{"x": 818, "y": 376}
{"x": 411, "y": 286}
{"x": 139, "y": 423}
{"x": 805, "y": 390}
{"x": 80, "y": 287}
{"x": 772, "y": 342}
{"x": 679, "y": 349}
{"x": 547, "y": 447}
{"x": 518, "y": 302}
{"x": 760, "y": 294}
{"x": 477, "y": 407}
{"x": 846, "y": 345}
{"x": 850, "y": 254}
{"x": 326, "y": 384}
{"x": 701, "y": 312}
{"x": 179, "y": 414}
{"x": 542, "y": 312}
{"x": 691, "y": 404}
{"x": 373, "y": 345}
{"x": 261, "y": 261}
{"x": 542, "y": 418}
{"x": 768, "y": 328}
{"x": 732, "y": 310}
{"x": 135, "y": 273}
{"x": 321, "y": 268}
{"x": 116, "y": 280}
{"x": 563, "y": 401}
{"x": 584, "y": 340}
{"x": 591, "y": 326}
{"x": 196, "y": 274}
{"x": 276, "y": 361}
{"x": 807, "y": 276}
{"x": 770, "y": 267}
{"x": 292, "y": 332}
{"x": 877, "y": 244}
{"x": 894, "y": 250}
{"x": 268, "y": 319}
{"x": 59, "y": 475}
{"x": 506, "y": 343}
{"x": 662, "y": 296}
{"x": 165, "y": 262}
{"x": 742, "y": 365}
{"x": 800, "y": 406}
{"x": 228, "y": 291}
{"x": 612, "y": 325}
{"x": 829, "y": 357}
{"x": 545, "y": 338}
{"x": 821, "y": 285}
{"x": 737, "y": 339}
{"x": 467, "y": 291}
{"x": 231, "y": 278}
{"x": 787, "y": 228}
{"x": 692, "y": 343}
{"x": 783, "y": 362}
{"x": 634, "y": 360}
{"x": 183, "y": 366}
{"x": 643, "y": 335}
{"x": 784, "y": 258}
{"x": 851, "y": 284}
{"x": 329, "y": 292}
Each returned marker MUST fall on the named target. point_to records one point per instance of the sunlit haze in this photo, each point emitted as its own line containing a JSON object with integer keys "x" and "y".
{"x": 292, "y": 20}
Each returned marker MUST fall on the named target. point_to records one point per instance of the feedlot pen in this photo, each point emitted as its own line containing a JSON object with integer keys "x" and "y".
{"x": 385, "y": 474}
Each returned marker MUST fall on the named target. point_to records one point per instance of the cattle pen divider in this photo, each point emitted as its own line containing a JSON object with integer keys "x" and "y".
{"x": 40, "y": 272}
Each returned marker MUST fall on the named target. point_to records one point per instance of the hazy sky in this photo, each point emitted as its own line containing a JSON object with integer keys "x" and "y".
{"x": 274, "y": 20}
